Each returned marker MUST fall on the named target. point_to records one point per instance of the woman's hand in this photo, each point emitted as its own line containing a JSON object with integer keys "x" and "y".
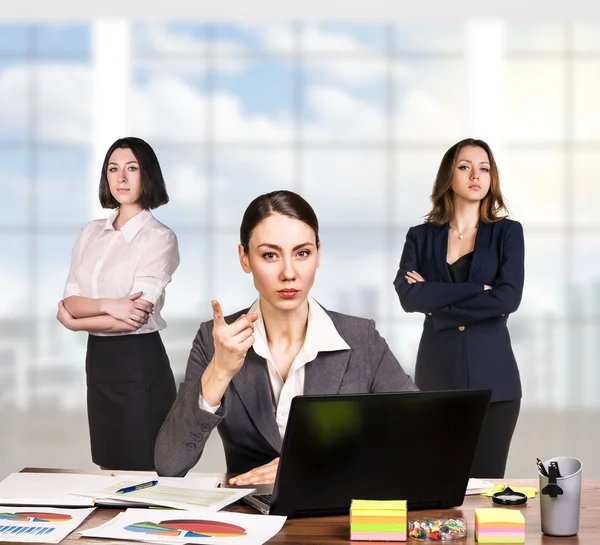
{"x": 232, "y": 341}
{"x": 412, "y": 277}
{"x": 259, "y": 475}
{"x": 131, "y": 309}
{"x": 64, "y": 317}
{"x": 486, "y": 287}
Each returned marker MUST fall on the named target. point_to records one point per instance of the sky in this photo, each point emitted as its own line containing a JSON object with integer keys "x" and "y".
{"x": 354, "y": 116}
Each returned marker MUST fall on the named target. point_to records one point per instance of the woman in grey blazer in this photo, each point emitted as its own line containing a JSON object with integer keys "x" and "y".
{"x": 244, "y": 370}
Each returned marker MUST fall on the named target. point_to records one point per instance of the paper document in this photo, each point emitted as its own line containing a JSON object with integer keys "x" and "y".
{"x": 53, "y": 489}
{"x": 76, "y": 489}
{"x": 478, "y": 486}
{"x": 198, "y": 526}
{"x": 35, "y": 525}
{"x": 185, "y": 495}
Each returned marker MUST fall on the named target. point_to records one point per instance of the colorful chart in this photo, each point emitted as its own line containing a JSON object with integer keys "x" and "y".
{"x": 188, "y": 528}
{"x": 34, "y": 516}
{"x": 11, "y": 529}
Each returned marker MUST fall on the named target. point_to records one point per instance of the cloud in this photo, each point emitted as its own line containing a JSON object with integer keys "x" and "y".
{"x": 235, "y": 125}
{"x": 183, "y": 53}
{"x": 340, "y": 116}
{"x": 179, "y": 51}
{"x": 179, "y": 112}
{"x": 63, "y": 105}
{"x": 353, "y": 73}
{"x": 168, "y": 108}
{"x": 161, "y": 38}
{"x": 14, "y": 107}
{"x": 424, "y": 116}
{"x": 242, "y": 174}
{"x": 65, "y": 92}
{"x": 187, "y": 184}
{"x": 279, "y": 38}
{"x": 315, "y": 39}
{"x": 359, "y": 65}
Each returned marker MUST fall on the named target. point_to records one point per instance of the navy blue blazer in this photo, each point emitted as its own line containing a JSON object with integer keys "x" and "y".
{"x": 465, "y": 342}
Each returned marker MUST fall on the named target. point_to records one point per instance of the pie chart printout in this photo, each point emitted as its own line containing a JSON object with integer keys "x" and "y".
{"x": 188, "y": 528}
{"x": 34, "y": 516}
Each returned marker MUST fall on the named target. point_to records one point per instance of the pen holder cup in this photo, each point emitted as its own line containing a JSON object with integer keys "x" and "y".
{"x": 560, "y": 514}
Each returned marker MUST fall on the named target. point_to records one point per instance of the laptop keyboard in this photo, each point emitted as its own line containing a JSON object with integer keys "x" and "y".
{"x": 265, "y": 498}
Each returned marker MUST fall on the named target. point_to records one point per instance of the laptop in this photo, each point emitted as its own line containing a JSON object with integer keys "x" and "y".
{"x": 414, "y": 446}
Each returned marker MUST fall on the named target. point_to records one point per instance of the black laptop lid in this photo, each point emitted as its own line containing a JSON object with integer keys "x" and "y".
{"x": 415, "y": 446}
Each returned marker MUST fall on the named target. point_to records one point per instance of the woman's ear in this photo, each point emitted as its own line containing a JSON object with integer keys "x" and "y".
{"x": 244, "y": 261}
{"x": 318, "y": 253}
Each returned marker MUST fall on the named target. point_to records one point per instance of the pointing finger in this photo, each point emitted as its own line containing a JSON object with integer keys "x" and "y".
{"x": 217, "y": 313}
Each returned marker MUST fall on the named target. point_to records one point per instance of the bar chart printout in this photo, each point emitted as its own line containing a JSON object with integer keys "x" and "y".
{"x": 39, "y": 525}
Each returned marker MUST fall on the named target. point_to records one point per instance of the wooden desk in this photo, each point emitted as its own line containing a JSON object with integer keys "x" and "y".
{"x": 335, "y": 530}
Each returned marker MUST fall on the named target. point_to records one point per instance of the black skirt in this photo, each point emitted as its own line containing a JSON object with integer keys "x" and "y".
{"x": 130, "y": 390}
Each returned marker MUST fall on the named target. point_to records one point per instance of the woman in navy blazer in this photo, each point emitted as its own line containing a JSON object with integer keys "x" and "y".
{"x": 464, "y": 269}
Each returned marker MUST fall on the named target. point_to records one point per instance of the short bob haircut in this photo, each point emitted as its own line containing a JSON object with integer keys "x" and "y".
{"x": 492, "y": 207}
{"x": 154, "y": 191}
{"x": 286, "y": 203}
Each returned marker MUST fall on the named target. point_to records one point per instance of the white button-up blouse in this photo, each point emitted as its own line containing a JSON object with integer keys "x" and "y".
{"x": 141, "y": 256}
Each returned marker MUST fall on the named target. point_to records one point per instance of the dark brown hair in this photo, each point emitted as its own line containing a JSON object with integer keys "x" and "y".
{"x": 492, "y": 207}
{"x": 286, "y": 203}
{"x": 154, "y": 191}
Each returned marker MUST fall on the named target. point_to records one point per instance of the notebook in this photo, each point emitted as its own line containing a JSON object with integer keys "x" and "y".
{"x": 414, "y": 446}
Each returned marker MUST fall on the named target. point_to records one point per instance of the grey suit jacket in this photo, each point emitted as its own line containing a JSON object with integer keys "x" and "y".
{"x": 246, "y": 418}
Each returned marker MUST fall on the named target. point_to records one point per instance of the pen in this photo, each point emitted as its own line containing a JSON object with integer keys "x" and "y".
{"x": 136, "y": 487}
{"x": 541, "y": 467}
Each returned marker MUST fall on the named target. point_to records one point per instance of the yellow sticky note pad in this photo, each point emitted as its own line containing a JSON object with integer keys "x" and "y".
{"x": 378, "y": 520}
{"x": 498, "y": 525}
{"x": 392, "y": 505}
{"x": 378, "y": 513}
{"x": 497, "y": 514}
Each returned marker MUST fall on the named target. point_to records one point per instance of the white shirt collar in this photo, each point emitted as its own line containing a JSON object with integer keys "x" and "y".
{"x": 132, "y": 227}
{"x": 321, "y": 334}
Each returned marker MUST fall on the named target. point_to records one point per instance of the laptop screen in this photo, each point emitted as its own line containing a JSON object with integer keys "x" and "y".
{"x": 414, "y": 446}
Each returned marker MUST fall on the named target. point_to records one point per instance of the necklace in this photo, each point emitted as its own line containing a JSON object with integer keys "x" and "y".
{"x": 460, "y": 235}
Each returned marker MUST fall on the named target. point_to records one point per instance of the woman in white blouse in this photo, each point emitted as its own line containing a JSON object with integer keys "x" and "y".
{"x": 115, "y": 291}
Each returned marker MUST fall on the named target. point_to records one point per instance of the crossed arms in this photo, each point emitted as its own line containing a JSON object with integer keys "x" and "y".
{"x": 464, "y": 303}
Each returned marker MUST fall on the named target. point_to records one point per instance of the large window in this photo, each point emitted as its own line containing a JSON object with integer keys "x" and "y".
{"x": 355, "y": 118}
{"x": 45, "y": 120}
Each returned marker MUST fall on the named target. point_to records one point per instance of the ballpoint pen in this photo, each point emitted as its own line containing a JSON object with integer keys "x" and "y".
{"x": 136, "y": 487}
{"x": 541, "y": 467}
